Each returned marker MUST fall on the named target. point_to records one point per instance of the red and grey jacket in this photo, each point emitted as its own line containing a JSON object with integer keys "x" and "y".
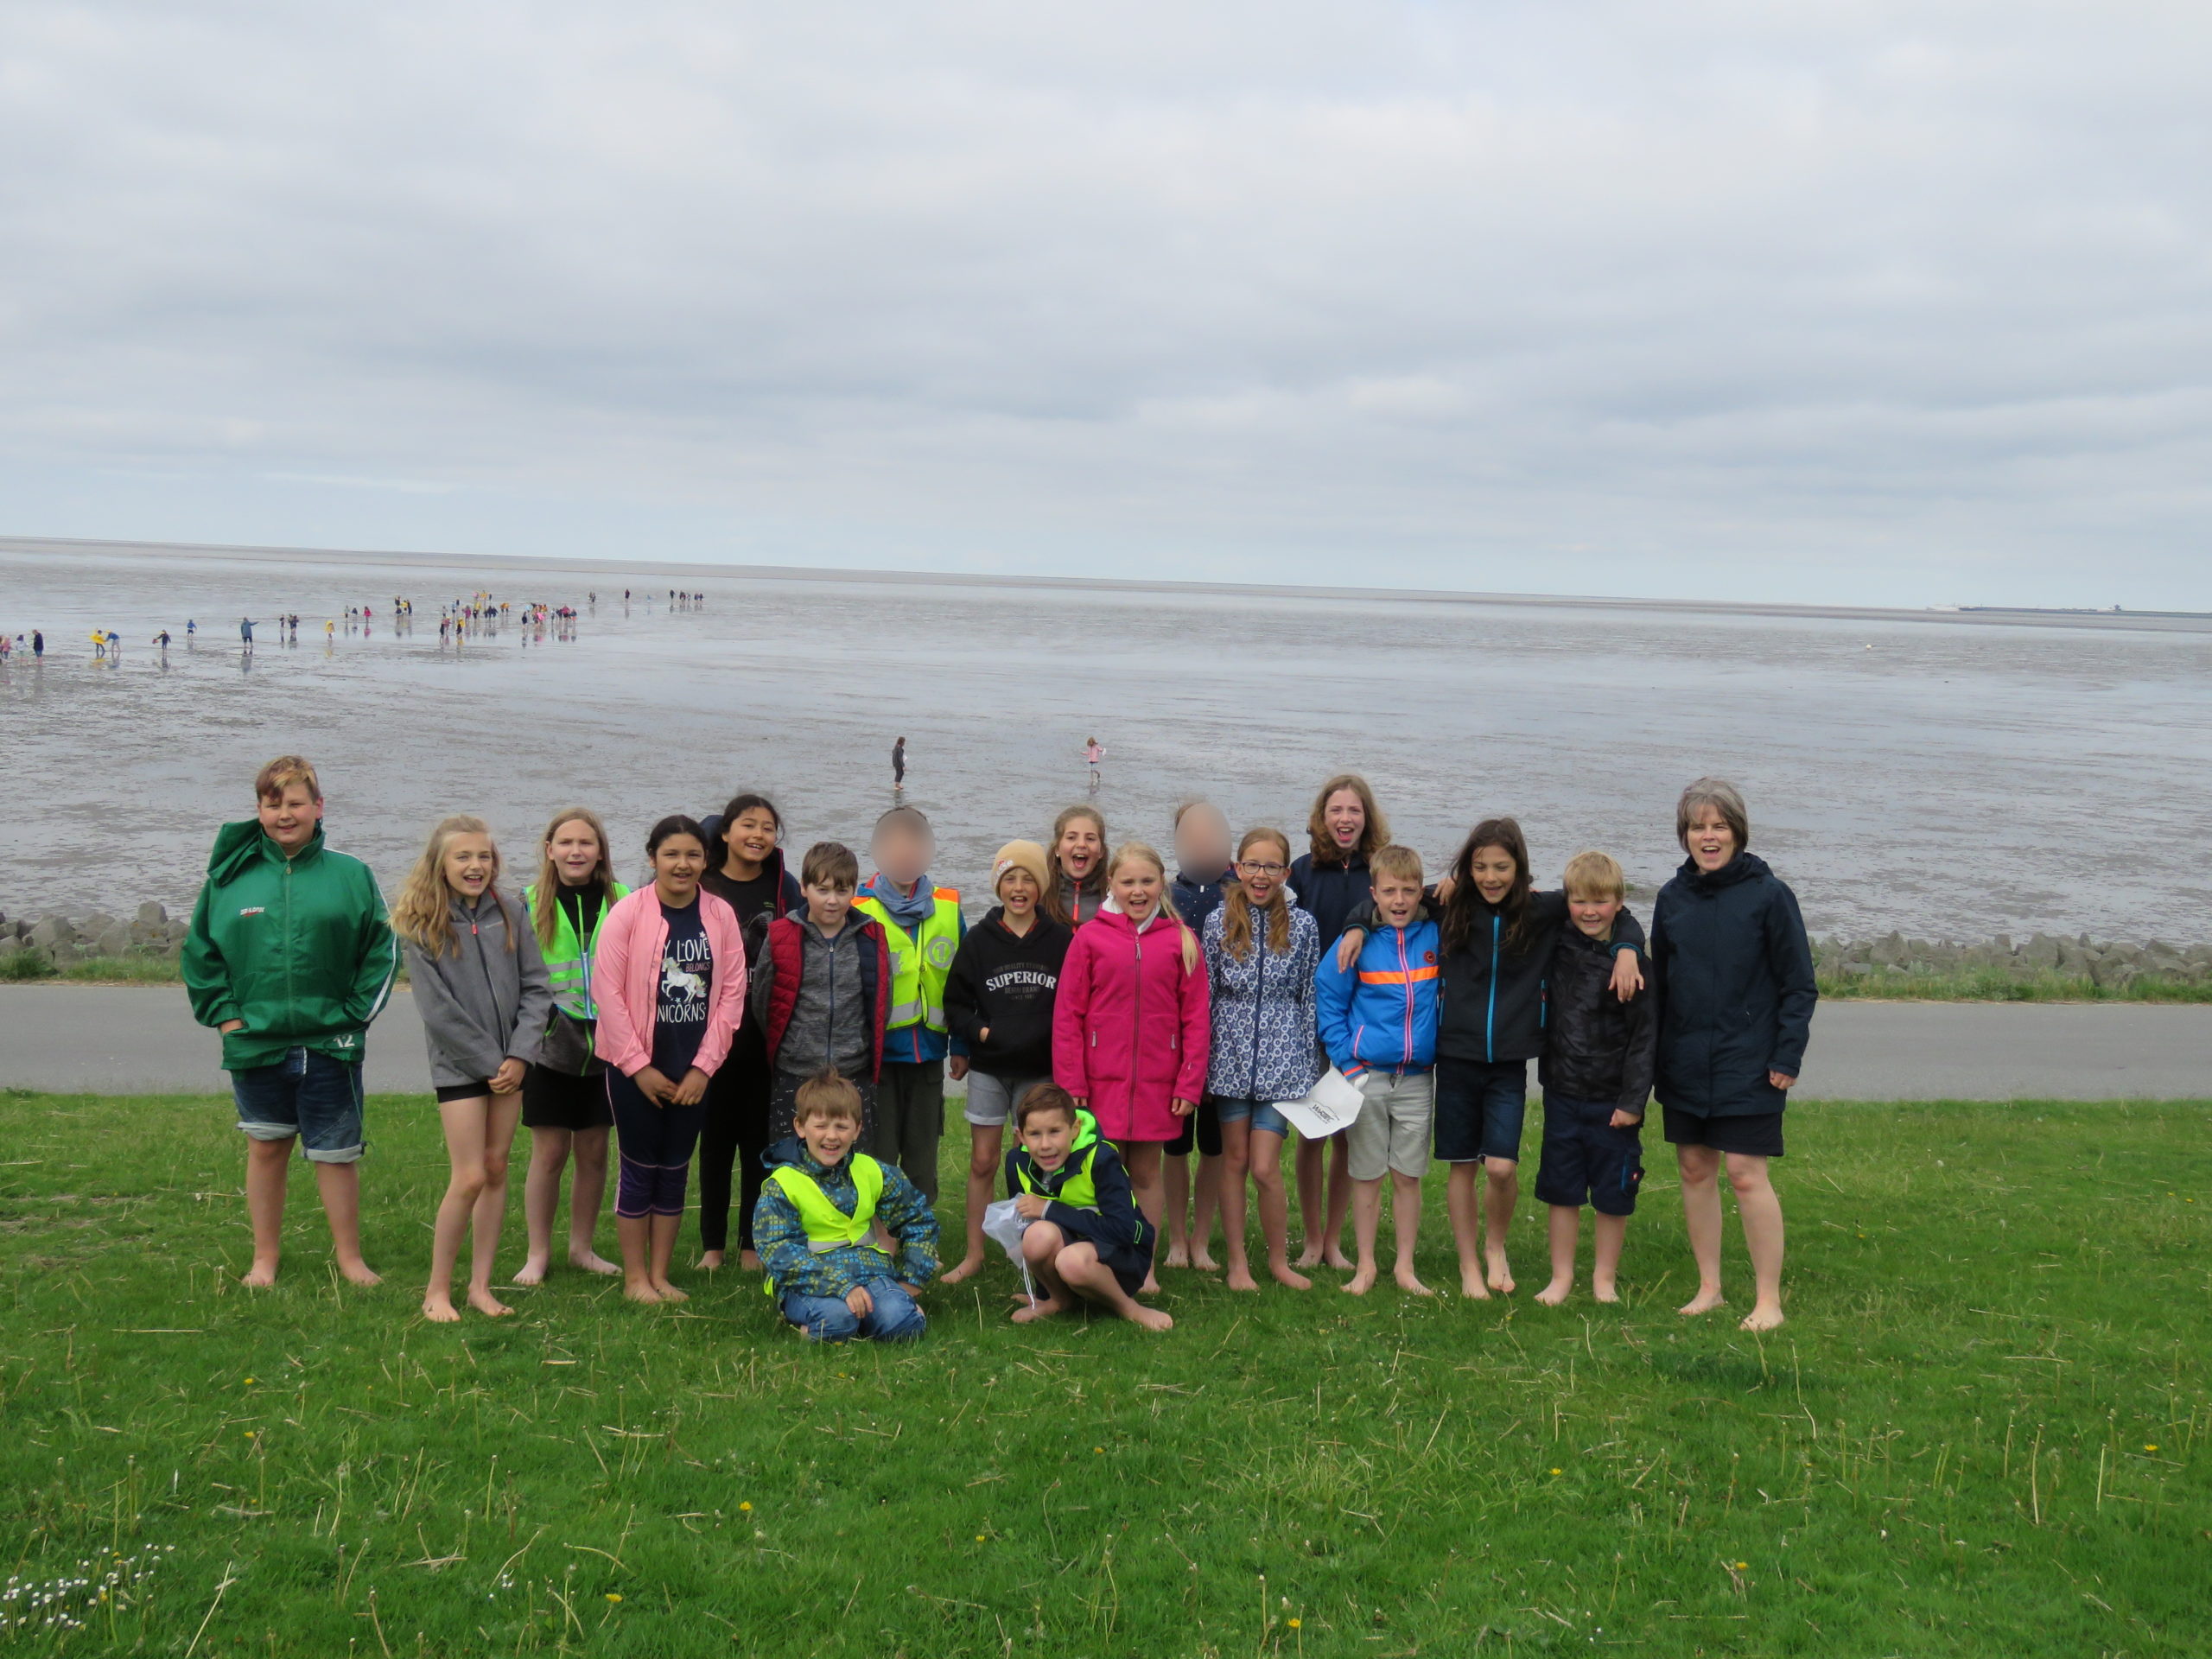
{"x": 779, "y": 951}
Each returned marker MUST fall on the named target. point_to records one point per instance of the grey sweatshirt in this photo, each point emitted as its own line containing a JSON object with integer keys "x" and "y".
{"x": 829, "y": 1020}
{"x": 481, "y": 1003}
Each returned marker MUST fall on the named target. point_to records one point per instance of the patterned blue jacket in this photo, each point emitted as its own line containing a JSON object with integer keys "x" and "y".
{"x": 1264, "y": 1043}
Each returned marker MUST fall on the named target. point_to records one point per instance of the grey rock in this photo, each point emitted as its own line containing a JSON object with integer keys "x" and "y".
{"x": 115, "y": 942}
{"x": 2003, "y": 942}
{"x": 152, "y": 914}
{"x": 54, "y": 930}
{"x": 9, "y": 945}
{"x": 2041, "y": 951}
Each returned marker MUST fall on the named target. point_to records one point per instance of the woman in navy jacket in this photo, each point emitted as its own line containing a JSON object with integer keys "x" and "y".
{"x": 1734, "y": 976}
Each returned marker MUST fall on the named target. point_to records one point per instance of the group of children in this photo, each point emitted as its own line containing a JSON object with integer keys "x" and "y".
{"x": 795, "y": 1031}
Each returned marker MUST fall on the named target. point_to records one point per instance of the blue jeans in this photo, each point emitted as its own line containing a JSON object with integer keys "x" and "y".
{"x": 826, "y": 1319}
{"x": 305, "y": 1094}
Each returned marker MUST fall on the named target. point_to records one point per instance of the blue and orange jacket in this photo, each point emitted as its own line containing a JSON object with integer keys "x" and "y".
{"x": 1382, "y": 1015}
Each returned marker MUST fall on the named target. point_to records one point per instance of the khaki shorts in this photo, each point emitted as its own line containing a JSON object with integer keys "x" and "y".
{"x": 1391, "y": 1132}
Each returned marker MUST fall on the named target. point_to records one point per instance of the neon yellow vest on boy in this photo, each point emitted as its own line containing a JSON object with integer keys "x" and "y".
{"x": 1079, "y": 1191}
{"x": 918, "y": 964}
{"x": 829, "y": 1228}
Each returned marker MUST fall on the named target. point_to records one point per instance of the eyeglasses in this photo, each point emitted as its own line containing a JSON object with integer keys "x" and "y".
{"x": 1253, "y": 867}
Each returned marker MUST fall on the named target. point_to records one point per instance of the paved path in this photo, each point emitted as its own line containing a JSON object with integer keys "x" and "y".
{"x": 119, "y": 1039}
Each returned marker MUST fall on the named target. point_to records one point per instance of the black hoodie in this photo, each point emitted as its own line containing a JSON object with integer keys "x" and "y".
{"x": 1008, "y": 982}
{"x": 1493, "y": 1007}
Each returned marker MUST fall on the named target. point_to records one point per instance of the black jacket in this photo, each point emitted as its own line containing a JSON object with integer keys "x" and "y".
{"x": 1009, "y": 983}
{"x": 1494, "y": 998}
{"x": 1733, "y": 972}
{"x": 1196, "y": 901}
{"x": 1332, "y": 895}
{"x": 1597, "y": 1047}
{"x": 1116, "y": 1228}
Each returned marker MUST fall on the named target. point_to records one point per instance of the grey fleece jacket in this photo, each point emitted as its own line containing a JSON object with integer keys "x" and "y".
{"x": 481, "y": 1002}
{"x": 828, "y": 1023}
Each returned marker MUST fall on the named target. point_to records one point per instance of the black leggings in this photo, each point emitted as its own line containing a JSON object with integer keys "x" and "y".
{"x": 735, "y": 1134}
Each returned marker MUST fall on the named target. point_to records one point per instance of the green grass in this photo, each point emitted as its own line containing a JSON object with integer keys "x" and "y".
{"x": 1996, "y": 985}
{"x": 1981, "y": 1432}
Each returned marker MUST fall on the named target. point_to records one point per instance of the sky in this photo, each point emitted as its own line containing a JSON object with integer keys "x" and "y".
{"x": 1860, "y": 303}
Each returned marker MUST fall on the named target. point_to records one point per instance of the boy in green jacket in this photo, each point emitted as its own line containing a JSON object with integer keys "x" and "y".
{"x": 290, "y": 958}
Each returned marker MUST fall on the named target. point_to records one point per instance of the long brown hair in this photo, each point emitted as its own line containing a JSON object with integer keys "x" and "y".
{"x": 1460, "y": 909}
{"x": 1237, "y": 904}
{"x": 1064, "y": 911}
{"x": 545, "y": 897}
{"x": 423, "y": 912}
{"x": 1372, "y": 839}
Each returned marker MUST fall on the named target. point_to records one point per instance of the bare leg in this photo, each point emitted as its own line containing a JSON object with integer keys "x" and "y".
{"x": 636, "y": 1233}
{"x": 266, "y": 1165}
{"x": 490, "y": 1214}
{"x": 1235, "y": 1157}
{"x": 1760, "y": 1211}
{"x": 984, "y": 1142}
{"x": 586, "y": 1192}
{"x": 1175, "y": 1169}
{"x": 1332, "y": 1249}
{"x": 340, "y": 1187}
{"x": 541, "y": 1201}
{"x": 1366, "y": 1222}
{"x": 1405, "y": 1222}
{"x": 1208, "y": 1201}
{"x": 1313, "y": 1215}
{"x": 1604, "y": 1270}
{"x": 1700, "y": 1170}
{"x": 1566, "y": 1237}
{"x": 1502, "y": 1176}
{"x": 464, "y": 1124}
{"x": 1041, "y": 1243}
{"x": 663, "y": 1235}
{"x": 1092, "y": 1279}
{"x": 1275, "y": 1208}
{"x": 1460, "y": 1201}
{"x": 1142, "y": 1159}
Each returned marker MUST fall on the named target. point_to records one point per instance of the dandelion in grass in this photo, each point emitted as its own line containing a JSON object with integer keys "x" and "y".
{"x": 2149, "y": 1448}
{"x": 1558, "y": 1471}
{"x": 1743, "y": 1567}
{"x": 745, "y": 1509}
{"x": 1297, "y": 1624}
{"x": 611, "y": 1596}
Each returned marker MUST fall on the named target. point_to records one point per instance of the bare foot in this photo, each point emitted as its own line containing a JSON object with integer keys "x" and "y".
{"x": 640, "y": 1290}
{"x": 966, "y": 1268}
{"x": 1204, "y": 1262}
{"x": 1335, "y": 1257}
{"x": 1240, "y": 1278}
{"x": 485, "y": 1302}
{"x": 710, "y": 1260}
{"x": 1704, "y": 1302}
{"x": 1310, "y": 1256}
{"x": 1285, "y": 1275}
{"x": 1043, "y": 1310}
{"x": 1360, "y": 1283}
{"x": 1178, "y": 1255}
{"x": 1762, "y": 1317}
{"x": 1151, "y": 1285}
{"x": 1471, "y": 1286}
{"x": 439, "y": 1310}
{"x": 1555, "y": 1292}
{"x": 592, "y": 1261}
{"x": 1501, "y": 1275}
{"x": 533, "y": 1272}
{"x": 358, "y": 1273}
{"x": 1603, "y": 1290}
{"x": 668, "y": 1292}
{"x": 1153, "y": 1319}
{"x": 749, "y": 1261}
{"x": 259, "y": 1277}
{"x": 1409, "y": 1284}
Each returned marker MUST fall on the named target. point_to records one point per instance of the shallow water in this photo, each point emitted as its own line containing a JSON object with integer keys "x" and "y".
{"x": 1946, "y": 778}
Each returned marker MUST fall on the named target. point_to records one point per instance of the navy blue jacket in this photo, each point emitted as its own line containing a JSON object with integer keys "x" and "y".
{"x": 1117, "y": 1229}
{"x": 1196, "y": 901}
{"x": 1494, "y": 1007}
{"x": 1733, "y": 972}
{"x": 1332, "y": 895}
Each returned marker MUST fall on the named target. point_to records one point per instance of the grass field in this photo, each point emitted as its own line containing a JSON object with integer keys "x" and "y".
{"x": 1982, "y": 1432}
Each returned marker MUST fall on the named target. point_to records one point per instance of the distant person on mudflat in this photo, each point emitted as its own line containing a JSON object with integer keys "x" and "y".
{"x": 246, "y": 632}
{"x": 1092, "y": 754}
{"x": 289, "y": 957}
{"x": 38, "y": 644}
{"x": 898, "y": 765}
{"x": 1733, "y": 971}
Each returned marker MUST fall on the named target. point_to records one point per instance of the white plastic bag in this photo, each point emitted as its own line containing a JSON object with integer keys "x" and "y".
{"x": 1004, "y": 1224}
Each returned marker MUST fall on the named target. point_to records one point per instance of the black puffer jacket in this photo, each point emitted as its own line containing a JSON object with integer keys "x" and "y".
{"x": 1733, "y": 972}
{"x": 1597, "y": 1047}
{"x": 1334, "y": 895}
{"x": 1493, "y": 996}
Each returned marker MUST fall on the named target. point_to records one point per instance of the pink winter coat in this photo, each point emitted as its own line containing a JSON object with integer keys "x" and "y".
{"x": 625, "y": 980}
{"x": 1130, "y": 1028}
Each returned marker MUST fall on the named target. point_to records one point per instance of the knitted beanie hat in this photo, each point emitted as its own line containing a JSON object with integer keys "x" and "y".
{"x": 1021, "y": 856}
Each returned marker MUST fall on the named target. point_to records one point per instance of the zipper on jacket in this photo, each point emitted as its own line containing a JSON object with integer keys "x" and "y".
{"x": 1489, "y": 1019}
{"x": 1406, "y": 969}
{"x": 1136, "y": 1026}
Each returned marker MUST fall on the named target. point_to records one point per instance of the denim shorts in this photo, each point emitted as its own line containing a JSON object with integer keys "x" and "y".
{"x": 306, "y": 1094}
{"x": 1478, "y": 1110}
{"x": 1262, "y": 1112}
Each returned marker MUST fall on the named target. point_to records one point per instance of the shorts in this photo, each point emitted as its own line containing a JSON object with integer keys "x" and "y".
{"x": 1478, "y": 1110}
{"x": 555, "y": 1100}
{"x": 1758, "y": 1134}
{"x": 991, "y": 1099}
{"x": 1586, "y": 1160}
{"x": 449, "y": 1092}
{"x": 1392, "y": 1129}
{"x": 1262, "y": 1115}
{"x": 306, "y": 1094}
{"x": 1201, "y": 1129}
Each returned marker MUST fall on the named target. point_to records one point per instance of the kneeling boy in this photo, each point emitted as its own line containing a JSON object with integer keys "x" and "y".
{"x": 818, "y": 1210}
{"x": 1595, "y": 1073}
{"x": 1086, "y": 1238}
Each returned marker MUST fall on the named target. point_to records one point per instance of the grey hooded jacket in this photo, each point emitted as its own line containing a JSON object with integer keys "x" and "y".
{"x": 481, "y": 1002}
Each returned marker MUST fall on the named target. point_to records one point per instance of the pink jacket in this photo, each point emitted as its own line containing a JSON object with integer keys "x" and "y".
{"x": 1130, "y": 1028}
{"x": 625, "y": 980}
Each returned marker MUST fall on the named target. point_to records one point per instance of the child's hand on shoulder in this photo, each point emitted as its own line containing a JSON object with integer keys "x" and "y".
{"x": 1628, "y": 975}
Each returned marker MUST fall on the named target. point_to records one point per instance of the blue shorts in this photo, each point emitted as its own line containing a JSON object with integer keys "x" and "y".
{"x": 1478, "y": 1110}
{"x": 1587, "y": 1161}
{"x": 306, "y": 1094}
{"x": 1263, "y": 1114}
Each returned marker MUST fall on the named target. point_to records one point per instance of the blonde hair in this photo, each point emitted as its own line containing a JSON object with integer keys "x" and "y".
{"x": 1237, "y": 904}
{"x": 280, "y": 774}
{"x": 1396, "y": 860}
{"x": 1594, "y": 875}
{"x": 423, "y": 915}
{"x": 1372, "y": 839}
{"x": 545, "y": 907}
{"x": 1138, "y": 852}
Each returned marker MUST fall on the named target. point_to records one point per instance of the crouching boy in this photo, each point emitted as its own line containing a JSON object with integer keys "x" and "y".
{"x": 1595, "y": 1073}
{"x": 814, "y": 1226}
{"x": 1086, "y": 1238}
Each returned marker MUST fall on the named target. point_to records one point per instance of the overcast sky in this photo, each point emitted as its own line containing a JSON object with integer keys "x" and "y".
{"x": 1862, "y": 302}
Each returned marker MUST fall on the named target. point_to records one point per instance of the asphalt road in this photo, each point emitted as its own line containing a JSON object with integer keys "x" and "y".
{"x": 119, "y": 1039}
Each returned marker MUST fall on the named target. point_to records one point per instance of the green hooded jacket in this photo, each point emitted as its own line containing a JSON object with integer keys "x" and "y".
{"x": 298, "y": 948}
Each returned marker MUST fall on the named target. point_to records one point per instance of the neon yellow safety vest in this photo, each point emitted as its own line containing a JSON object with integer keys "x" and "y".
{"x": 919, "y": 963}
{"x": 829, "y": 1228}
{"x": 1079, "y": 1191}
{"x": 568, "y": 964}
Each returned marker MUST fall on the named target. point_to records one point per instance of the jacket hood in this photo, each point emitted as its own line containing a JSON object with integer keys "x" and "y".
{"x": 1744, "y": 867}
{"x": 237, "y": 845}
